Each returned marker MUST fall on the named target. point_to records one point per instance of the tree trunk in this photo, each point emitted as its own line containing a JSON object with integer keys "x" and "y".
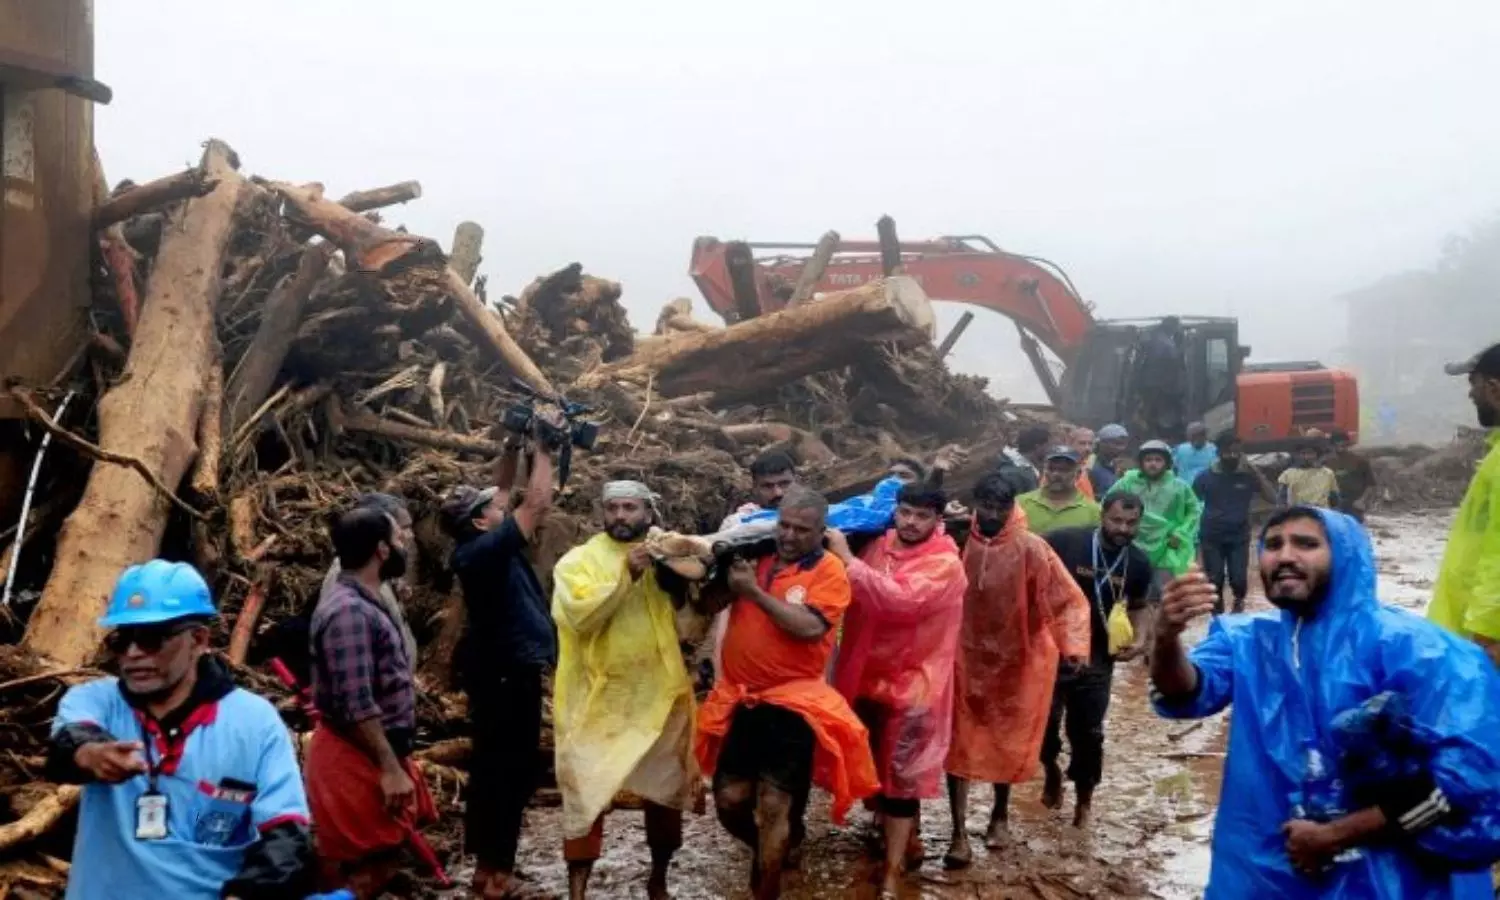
{"x": 763, "y": 353}
{"x": 492, "y": 330}
{"x": 468, "y": 238}
{"x": 152, "y": 195}
{"x": 151, "y": 414}
{"x": 279, "y": 320}
{"x": 811, "y": 273}
{"x": 381, "y": 197}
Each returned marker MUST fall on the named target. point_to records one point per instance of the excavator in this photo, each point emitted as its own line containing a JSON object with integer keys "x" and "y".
{"x": 1152, "y": 375}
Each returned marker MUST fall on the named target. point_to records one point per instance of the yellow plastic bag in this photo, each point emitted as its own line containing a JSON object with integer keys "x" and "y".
{"x": 1121, "y": 633}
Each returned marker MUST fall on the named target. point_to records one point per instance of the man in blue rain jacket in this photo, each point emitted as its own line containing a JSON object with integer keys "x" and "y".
{"x": 1291, "y": 824}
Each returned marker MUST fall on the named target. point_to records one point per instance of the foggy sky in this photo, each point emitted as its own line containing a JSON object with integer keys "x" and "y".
{"x": 1189, "y": 157}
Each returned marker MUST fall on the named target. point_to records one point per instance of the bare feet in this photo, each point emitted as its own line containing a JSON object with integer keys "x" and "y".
{"x": 998, "y": 835}
{"x": 916, "y": 854}
{"x": 960, "y": 855}
{"x": 1052, "y": 788}
{"x": 656, "y": 887}
{"x": 890, "y": 886}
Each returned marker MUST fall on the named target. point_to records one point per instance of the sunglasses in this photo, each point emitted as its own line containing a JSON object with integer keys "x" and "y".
{"x": 149, "y": 639}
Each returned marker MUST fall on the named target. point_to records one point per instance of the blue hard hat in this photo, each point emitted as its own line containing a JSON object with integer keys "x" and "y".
{"x": 156, "y": 592}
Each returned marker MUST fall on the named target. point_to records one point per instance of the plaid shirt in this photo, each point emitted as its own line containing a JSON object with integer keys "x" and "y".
{"x": 360, "y": 668}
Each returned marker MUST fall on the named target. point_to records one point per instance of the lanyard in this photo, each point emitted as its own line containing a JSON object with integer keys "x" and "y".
{"x": 1121, "y": 563}
{"x": 153, "y": 768}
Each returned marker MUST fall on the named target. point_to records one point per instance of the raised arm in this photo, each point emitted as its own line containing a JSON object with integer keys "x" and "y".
{"x": 1196, "y": 685}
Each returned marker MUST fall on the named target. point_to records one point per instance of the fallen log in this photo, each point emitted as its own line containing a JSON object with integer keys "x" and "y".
{"x": 119, "y": 260}
{"x": 427, "y": 437}
{"x": 493, "y": 332}
{"x": 812, "y": 272}
{"x": 279, "y": 320}
{"x": 153, "y": 195}
{"x": 368, "y": 246}
{"x": 40, "y": 818}
{"x": 761, "y": 354}
{"x": 381, "y": 197}
{"x": 468, "y": 238}
{"x": 150, "y": 416}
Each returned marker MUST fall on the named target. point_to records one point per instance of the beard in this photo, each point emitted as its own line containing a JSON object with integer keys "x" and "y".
{"x": 989, "y": 527}
{"x": 394, "y": 565}
{"x": 1301, "y": 606}
{"x": 1489, "y": 416}
{"x": 628, "y": 532}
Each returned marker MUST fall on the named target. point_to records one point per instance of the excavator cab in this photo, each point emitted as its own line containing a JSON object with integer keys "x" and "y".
{"x": 1155, "y": 379}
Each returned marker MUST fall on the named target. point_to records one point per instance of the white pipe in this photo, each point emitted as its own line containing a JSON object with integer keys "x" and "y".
{"x": 36, "y": 468}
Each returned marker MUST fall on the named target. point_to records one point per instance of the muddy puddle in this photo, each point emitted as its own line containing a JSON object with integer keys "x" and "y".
{"x": 1153, "y": 813}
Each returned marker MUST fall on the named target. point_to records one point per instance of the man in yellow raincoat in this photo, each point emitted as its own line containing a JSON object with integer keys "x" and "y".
{"x": 623, "y": 702}
{"x": 1466, "y": 599}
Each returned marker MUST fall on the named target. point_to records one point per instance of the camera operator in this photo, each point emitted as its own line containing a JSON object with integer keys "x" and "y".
{"x": 508, "y": 642}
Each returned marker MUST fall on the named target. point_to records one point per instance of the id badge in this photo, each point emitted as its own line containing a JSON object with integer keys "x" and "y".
{"x": 151, "y": 817}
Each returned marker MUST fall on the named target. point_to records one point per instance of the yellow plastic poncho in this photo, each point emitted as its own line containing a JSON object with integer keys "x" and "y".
{"x": 622, "y": 704}
{"x": 1467, "y": 597}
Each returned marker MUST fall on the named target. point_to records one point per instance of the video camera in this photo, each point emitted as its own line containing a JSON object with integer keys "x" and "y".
{"x": 521, "y": 419}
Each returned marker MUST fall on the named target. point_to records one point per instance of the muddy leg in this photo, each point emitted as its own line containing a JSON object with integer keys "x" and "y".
{"x": 1052, "y": 746}
{"x": 664, "y": 837}
{"x": 998, "y": 834}
{"x": 898, "y": 834}
{"x": 960, "y": 854}
{"x": 734, "y": 801}
{"x": 773, "y": 820}
{"x": 581, "y": 853}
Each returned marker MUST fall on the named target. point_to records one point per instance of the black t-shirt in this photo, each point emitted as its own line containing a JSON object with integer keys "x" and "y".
{"x": 1226, "y": 498}
{"x": 1105, "y": 577}
{"x": 509, "y": 623}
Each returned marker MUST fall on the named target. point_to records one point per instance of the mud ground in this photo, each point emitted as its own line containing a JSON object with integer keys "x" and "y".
{"x": 1153, "y": 813}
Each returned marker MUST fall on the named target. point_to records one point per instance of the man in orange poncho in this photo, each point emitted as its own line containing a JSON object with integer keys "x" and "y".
{"x": 1023, "y": 611}
{"x": 772, "y": 724}
{"x": 895, "y": 662}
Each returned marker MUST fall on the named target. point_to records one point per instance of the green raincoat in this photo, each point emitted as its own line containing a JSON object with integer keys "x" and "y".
{"x": 1171, "y": 509}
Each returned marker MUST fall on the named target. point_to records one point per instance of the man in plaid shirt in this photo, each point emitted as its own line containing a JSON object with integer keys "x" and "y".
{"x": 364, "y": 792}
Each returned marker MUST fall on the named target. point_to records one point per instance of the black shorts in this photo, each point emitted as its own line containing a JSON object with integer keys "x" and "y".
{"x": 768, "y": 743}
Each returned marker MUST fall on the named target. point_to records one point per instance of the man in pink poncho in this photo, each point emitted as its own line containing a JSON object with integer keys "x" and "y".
{"x": 895, "y": 663}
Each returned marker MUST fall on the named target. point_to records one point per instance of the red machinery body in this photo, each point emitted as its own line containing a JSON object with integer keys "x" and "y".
{"x": 1270, "y": 407}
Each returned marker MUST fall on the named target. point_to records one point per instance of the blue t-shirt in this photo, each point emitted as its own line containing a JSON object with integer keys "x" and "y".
{"x": 509, "y": 620}
{"x": 228, "y": 773}
{"x": 1193, "y": 461}
{"x": 1226, "y": 498}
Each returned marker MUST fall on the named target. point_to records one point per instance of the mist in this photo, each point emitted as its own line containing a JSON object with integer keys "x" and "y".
{"x": 1173, "y": 157}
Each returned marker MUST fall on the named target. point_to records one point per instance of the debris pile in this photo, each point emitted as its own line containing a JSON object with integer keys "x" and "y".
{"x": 1422, "y": 477}
{"x": 264, "y": 354}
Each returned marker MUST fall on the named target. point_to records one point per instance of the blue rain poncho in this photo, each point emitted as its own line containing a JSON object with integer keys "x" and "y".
{"x": 1288, "y": 678}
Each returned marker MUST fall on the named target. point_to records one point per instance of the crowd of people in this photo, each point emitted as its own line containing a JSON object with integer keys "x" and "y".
{"x": 961, "y": 644}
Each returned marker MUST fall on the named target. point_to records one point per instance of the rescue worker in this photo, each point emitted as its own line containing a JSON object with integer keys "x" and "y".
{"x": 1110, "y": 571}
{"x": 1023, "y": 462}
{"x": 1023, "y": 617}
{"x": 1309, "y": 807}
{"x": 772, "y": 474}
{"x": 1169, "y": 526}
{"x": 1112, "y": 444}
{"x": 895, "y": 661}
{"x": 1226, "y": 491}
{"x": 365, "y": 791}
{"x": 1466, "y": 599}
{"x": 507, "y": 644}
{"x": 1353, "y": 474}
{"x": 1058, "y": 503}
{"x": 1193, "y": 456}
{"x": 623, "y": 702}
{"x": 772, "y": 725}
{"x": 1308, "y": 482}
{"x": 190, "y": 784}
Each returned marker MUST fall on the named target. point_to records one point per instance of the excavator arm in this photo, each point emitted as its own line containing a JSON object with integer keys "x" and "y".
{"x": 1035, "y": 294}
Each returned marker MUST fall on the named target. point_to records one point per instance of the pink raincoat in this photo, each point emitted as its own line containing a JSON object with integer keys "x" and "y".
{"x": 895, "y": 662}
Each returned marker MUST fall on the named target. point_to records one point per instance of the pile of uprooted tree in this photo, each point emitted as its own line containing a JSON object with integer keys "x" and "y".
{"x": 263, "y": 353}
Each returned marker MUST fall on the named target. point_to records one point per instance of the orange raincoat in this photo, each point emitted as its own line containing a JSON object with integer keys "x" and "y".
{"x": 1023, "y": 611}
{"x": 763, "y": 664}
{"x": 900, "y": 638}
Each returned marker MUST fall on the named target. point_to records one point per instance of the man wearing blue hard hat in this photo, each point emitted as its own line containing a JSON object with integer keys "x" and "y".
{"x": 191, "y": 787}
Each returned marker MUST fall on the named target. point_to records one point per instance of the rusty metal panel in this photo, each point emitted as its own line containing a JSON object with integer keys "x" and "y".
{"x": 46, "y": 191}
